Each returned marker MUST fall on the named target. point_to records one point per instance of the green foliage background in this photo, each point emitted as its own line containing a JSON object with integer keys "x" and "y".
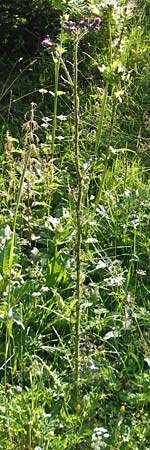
{"x": 39, "y": 228}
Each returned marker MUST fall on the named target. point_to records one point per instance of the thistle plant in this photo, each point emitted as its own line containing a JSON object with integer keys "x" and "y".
{"x": 77, "y": 31}
{"x": 78, "y": 215}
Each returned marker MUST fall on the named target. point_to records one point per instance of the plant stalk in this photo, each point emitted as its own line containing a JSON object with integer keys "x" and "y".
{"x": 79, "y": 223}
{"x": 57, "y": 66}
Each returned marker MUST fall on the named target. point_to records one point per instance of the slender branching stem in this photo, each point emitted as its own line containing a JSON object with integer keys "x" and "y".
{"x": 27, "y": 158}
{"x": 110, "y": 37}
{"x": 57, "y": 60}
{"x": 79, "y": 223}
{"x": 57, "y": 66}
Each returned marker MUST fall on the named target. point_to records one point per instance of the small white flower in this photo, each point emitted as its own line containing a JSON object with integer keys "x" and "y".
{"x": 44, "y": 125}
{"x": 38, "y": 448}
{"x": 46, "y": 119}
{"x": 45, "y": 289}
{"x": 36, "y": 294}
{"x": 60, "y": 138}
{"x": 43, "y": 91}
{"x": 61, "y": 117}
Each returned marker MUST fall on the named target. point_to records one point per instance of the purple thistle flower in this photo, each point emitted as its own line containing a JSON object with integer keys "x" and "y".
{"x": 84, "y": 23}
{"x": 97, "y": 20}
{"x": 46, "y": 42}
{"x": 95, "y": 24}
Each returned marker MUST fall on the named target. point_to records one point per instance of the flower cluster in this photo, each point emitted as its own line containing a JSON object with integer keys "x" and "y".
{"x": 84, "y": 24}
{"x": 69, "y": 26}
{"x": 72, "y": 27}
{"x": 99, "y": 436}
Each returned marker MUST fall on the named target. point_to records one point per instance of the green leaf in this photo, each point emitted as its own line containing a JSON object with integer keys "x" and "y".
{"x": 6, "y": 256}
{"x": 60, "y": 92}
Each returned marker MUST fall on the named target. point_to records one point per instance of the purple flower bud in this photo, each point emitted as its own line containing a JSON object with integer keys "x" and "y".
{"x": 69, "y": 26}
{"x": 97, "y": 20}
{"x": 82, "y": 23}
{"x": 86, "y": 20}
{"x": 46, "y": 42}
{"x": 71, "y": 29}
{"x": 90, "y": 345}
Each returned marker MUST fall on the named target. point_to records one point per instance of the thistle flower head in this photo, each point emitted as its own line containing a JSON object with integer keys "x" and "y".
{"x": 46, "y": 42}
{"x": 69, "y": 26}
{"x": 86, "y": 20}
{"x": 82, "y": 23}
{"x": 97, "y": 20}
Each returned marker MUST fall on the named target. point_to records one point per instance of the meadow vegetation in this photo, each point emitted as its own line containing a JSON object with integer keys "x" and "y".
{"x": 74, "y": 226}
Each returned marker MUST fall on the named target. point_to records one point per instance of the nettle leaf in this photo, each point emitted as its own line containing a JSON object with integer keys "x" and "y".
{"x": 111, "y": 334}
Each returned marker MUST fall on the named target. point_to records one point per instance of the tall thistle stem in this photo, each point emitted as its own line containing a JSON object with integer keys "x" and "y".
{"x": 78, "y": 217}
{"x": 57, "y": 67}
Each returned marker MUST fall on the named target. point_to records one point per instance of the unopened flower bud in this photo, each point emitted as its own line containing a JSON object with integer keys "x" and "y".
{"x": 82, "y": 23}
{"x": 69, "y": 26}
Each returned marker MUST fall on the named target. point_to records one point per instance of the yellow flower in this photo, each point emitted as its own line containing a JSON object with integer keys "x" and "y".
{"x": 122, "y": 409}
{"x": 78, "y": 407}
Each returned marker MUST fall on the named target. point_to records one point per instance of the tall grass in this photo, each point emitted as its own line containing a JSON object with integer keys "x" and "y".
{"x": 74, "y": 252}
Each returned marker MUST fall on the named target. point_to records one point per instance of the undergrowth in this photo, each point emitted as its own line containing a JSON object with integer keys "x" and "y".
{"x": 74, "y": 240}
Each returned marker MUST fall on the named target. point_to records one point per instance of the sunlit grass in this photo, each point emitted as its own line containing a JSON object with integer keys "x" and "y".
{"x": 76, "y": 212}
